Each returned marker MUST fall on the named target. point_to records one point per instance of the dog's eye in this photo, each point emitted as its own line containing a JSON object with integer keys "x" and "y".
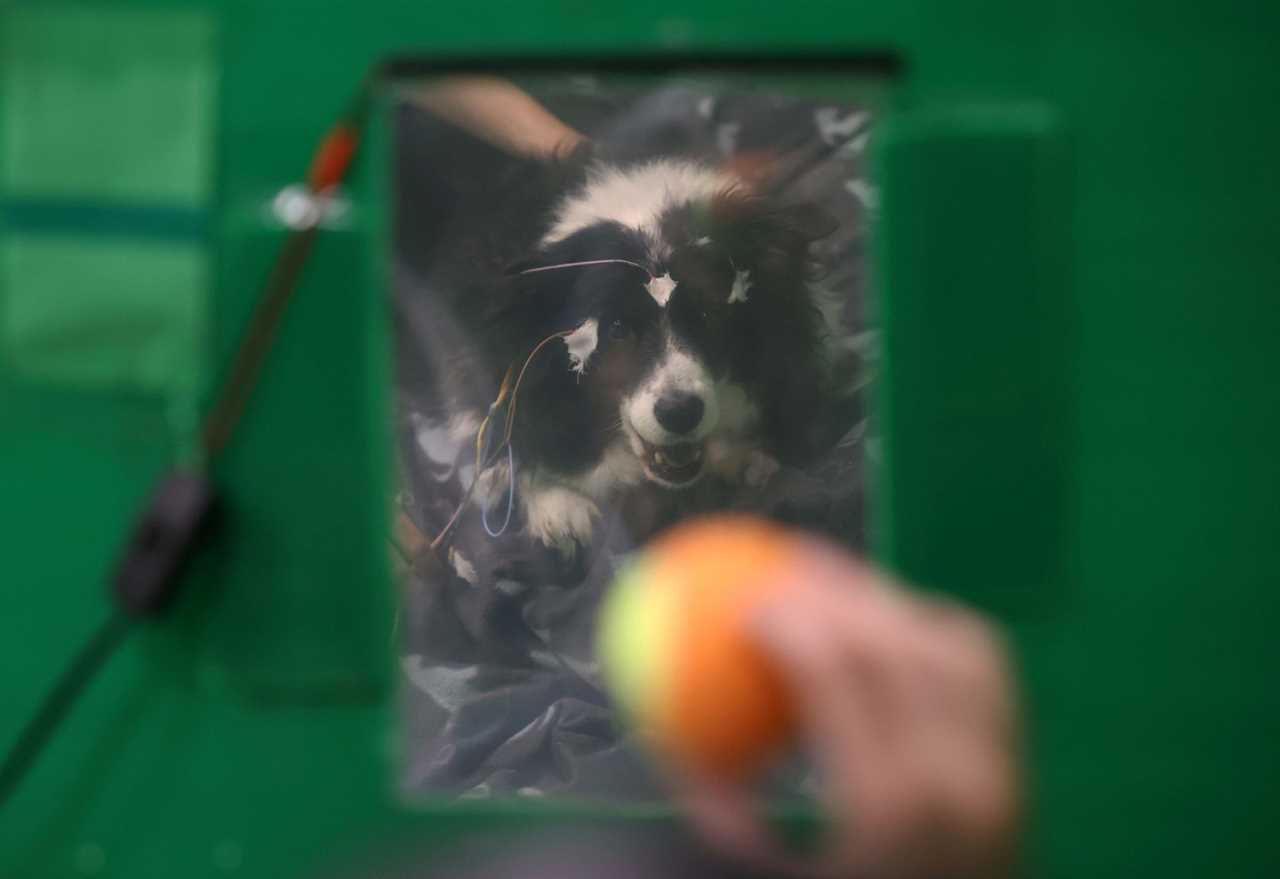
{"x": 618, "y": 330}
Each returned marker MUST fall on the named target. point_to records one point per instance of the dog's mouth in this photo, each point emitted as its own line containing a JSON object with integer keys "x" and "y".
{"x": 674, "y": 465}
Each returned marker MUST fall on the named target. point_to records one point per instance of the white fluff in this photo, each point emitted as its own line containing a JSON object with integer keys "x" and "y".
{"x": 833, "y": 128}
{"x": 661, "y": 288}
{"x": 864, "y": 192}
{"x": 463, "y": 566}
{"x": 582, "y": 344}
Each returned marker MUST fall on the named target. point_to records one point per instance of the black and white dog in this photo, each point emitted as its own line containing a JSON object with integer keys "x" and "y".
{"x": 688, "y": 338}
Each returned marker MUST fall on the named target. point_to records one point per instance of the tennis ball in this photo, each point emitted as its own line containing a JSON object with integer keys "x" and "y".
{"x": 677, "y": 651}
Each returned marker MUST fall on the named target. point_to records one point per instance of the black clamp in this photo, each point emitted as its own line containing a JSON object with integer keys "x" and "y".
{"x": 165, "y": 534}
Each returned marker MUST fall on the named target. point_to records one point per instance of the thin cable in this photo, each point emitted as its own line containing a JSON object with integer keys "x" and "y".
{"x": 585, "y": 262}
{"x": 58, "y": 701}
{"x": 329, "y": 165}
{"x": 511, "y": 494}
{"x": 256, "y": 342}
{"x": 511, "y": 407}
{"x": 480, "y": 462}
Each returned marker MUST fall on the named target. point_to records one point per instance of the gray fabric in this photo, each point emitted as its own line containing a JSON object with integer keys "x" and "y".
{"x": 501, "y": 694}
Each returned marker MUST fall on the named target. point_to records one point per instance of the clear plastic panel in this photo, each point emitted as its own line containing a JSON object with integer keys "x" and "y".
{"x": 670, "y": 274}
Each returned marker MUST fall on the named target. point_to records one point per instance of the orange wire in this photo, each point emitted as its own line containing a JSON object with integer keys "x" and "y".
{"x": 484, "y": 425}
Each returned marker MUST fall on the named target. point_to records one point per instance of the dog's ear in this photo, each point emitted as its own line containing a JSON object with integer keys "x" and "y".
{"x": 770, "y": 236}
{"x": 555, "y": 421}
{"x": 520, "y": 308}
{"x": 523, "y": 305}
{"x": 806, "y": 221}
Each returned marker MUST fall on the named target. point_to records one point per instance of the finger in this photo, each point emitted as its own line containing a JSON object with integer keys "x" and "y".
{"x": 872, "y": 691}
{"x": 839, "y": 708}
{"x": 828, "y": 566}
{"x": 892, "y": 815}
{"x": 967, "y": 662}
{"x": 811, "y": 656}
{"x": 895, "y": 694}
{"x": 727, "y": 818}
{"x": 968, "y": 670}
{"x": 873, "y": 629}
{"x": 956, "y": 757}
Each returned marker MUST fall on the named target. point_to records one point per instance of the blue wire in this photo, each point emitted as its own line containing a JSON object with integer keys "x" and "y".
{"x": 511, "y": 494}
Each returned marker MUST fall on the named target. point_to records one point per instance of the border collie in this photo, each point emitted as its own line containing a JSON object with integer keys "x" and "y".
{"x": 688, "y": 338}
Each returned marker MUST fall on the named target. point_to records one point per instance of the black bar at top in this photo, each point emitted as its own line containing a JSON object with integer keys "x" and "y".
{"x": 884, "y": 63}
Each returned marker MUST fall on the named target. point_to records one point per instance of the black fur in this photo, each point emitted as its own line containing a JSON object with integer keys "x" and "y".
{"x": 769, "y": 344}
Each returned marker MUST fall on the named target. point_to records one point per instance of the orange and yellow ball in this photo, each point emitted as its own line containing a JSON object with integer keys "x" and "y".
{"x": 677, "y": 648}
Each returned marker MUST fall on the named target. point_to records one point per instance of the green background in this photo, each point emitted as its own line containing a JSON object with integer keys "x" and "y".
{"x": 1079, "y": 278}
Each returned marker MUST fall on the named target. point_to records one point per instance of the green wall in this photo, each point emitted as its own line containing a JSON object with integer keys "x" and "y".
{"x": 1081, "y": 403}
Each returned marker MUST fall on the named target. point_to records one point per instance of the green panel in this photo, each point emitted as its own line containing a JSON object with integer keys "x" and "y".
{"x": 123, "y": 315}
{"x": 976, "y": 230}
{"x": 319, "y": 629}
{"x": 80, "y": 90}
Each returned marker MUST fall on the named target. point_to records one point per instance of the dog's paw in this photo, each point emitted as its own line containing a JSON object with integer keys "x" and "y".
{"x": 759, "y": 469}
{"x": 560, "y": 518}
{"x": 741, "y": 464}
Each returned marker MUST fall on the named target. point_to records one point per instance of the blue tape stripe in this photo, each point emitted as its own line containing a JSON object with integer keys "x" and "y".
{"x": 102, "y": 219}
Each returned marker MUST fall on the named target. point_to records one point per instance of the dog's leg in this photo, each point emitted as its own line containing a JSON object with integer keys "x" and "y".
{"x": 741, "y": 464}
{"x": 558, "y": 516}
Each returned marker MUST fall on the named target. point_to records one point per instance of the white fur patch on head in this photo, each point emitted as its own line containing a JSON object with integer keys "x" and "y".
{"x": 635, "y": 197}
{"x": 582, "y": 344}
{"x": 660, "y": 288}
{"x": 741, "y": 285}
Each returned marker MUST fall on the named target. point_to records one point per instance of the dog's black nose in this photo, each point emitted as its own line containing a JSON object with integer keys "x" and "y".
{"x": 678, "y": 413}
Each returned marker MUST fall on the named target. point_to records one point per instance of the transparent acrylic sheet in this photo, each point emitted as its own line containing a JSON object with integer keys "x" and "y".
{"x": 501, "y": 694}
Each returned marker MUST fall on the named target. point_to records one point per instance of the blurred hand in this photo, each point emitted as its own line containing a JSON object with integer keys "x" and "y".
{"x": 907, "y": 709}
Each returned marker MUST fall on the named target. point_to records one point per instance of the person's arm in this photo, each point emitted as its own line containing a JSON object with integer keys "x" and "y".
{"x": 497, "y": 111}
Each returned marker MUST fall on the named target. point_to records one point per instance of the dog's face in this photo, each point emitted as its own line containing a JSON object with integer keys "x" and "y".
{"x": 663, "y": 359}
{"x": 678, "y": 334}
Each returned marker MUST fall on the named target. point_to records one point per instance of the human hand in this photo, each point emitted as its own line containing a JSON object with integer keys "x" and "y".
{"x": 906, "y": 706}
{"x": 497, "y": 111}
